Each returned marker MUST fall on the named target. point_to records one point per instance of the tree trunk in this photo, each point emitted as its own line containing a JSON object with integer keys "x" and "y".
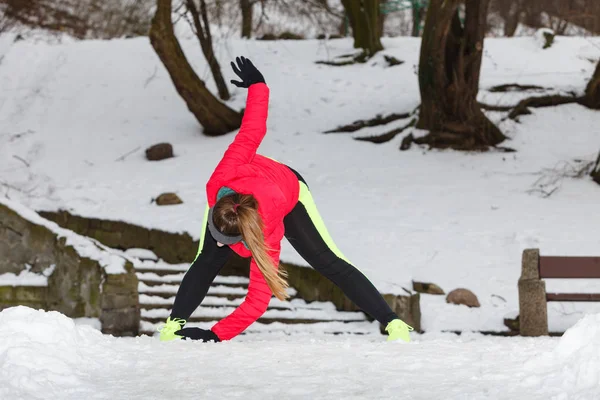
{"x": 596, "y": 170}
{"x": 363, "y": 16}
{"x": 203, "y": 35}
{"x": 592, "y": 91}
{"x": 449, "y": 67}
{"x": 247, "y": 7}
{"x": 533, "y": 13}
{"x": 510, "y": 12}
{"x": 417, "y": 14}
{"x": 381, "y": 19}
{"x": 583, "y": 13}
{"x": 216, "y": 118}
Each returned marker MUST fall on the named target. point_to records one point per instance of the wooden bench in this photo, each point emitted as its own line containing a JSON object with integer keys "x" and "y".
{"x": 533, "y": 311}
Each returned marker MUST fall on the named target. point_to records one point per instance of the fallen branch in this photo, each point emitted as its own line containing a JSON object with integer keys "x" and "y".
{"x": 490, "y": 107}
{"x": 22, "y": 160}
{"x": 544, "y": 101}
{"x": 386, "y": 137}
{"x": 392, "y": 61}
{"x": 407, "y": 142}
{"x": 151, "y": 78}
{"x": 336, "y": 63}
{"x": 514, "y": 87}
{"x": 347, "y": 59}
{"x": 596, "y": 170}
{"x": 378, "y": 120}
{"x": 127, "y": 154}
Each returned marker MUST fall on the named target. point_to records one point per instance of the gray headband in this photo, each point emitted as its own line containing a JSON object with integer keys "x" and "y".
{"x": 217, "y": 235}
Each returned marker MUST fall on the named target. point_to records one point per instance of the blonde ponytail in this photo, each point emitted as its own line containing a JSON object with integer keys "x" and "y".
{"x": 240, "y": 215}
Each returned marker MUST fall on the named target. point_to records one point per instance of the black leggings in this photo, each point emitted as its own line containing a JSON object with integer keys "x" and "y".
{"x": 306, "y": 232}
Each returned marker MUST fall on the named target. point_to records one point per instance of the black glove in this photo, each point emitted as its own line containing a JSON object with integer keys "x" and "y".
{"x": 247, "y": 73}
{"x": 198, "y": 334}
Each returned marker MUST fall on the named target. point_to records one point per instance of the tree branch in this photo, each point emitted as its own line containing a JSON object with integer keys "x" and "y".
{"x": 544, "y": 101}
{"x": 378, "y": 120}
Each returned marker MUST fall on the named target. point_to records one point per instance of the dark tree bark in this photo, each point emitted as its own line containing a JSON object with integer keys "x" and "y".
{"x": 216, "y": 118}
{"x": 583, "y": 13}
{"x": 381, "y": 19}
{"x": 417, "y": 13}
{"x": 596, "y": 170}
{"x": 449, "y": 67}
{"x": 202, "y": 30}
{"x": 592, "y": 91}
{"x": 533, "y": 13}
{"x": 46, "y": 14}
{"x": 363, "y": 16}
{"x": 510, "y": 11}
{"x": 247, "y": 14}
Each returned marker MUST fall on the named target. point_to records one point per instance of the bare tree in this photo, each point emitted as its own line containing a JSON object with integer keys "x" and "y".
{"x": 202, "y": 31}
{"x": 592, "y": 91}
{"x": 449, "y": 68}
{"x": 583, "y": 13}
{"x": 596, "y": 170}
{"x": 46, "y": 14}
{"x": 510, "y": 11}
{"x": 214, "y": 116}
{"x": 247, "y": 7}
{"x": 82, "y": 19}
{"x": 363, "y": 16}
{"x": 381, "y": 19}
{"x": 418, "y": 11}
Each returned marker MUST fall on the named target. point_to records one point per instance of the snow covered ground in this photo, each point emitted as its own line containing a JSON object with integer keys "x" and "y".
{"x": 69, "y": 113}
{"x": 46, "y": 355}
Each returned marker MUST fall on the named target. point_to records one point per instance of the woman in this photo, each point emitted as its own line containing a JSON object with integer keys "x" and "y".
{"x": 253, "y": 202}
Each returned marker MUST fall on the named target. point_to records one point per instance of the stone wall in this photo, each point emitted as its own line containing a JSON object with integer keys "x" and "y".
{"x": 174, "y": 248}
{"x": 78, "y": 286}
{"x": 180, "y": 248}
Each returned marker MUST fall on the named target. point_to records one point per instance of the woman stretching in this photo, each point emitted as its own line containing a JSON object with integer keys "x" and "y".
{"x": 253, "y": 202}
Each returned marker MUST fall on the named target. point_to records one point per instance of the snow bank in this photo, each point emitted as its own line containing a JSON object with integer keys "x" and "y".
{"x": 38, "y": 349}
{"x": 575, "y": 361}
{"x": 579, "y": 353}
{"x": 45, "y": 355}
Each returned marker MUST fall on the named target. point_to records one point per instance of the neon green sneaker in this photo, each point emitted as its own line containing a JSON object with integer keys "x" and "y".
{"x": 398, "y": 329}
{"x": 167, "y": 332}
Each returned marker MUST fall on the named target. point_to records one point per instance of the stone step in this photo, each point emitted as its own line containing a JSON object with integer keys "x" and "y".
{"x": 168, "y": 295}
{"x": 153, "y": 279}
{"x": 153, "y": 302}
{"x": 150, "y": 282}
{"x": 329, "y": 328}
{"x": 288, "y": 316}
{"x": 264, "y": 320}
{"x": 168, "y": 290}
{"x": 172, "y": 289}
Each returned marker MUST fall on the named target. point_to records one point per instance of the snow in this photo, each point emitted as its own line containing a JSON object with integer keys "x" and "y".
{"x": 575, "y": 361}
{"x": 85, "y": 247}
{"x": 47, "y": 355}
{"x": 26, "y": 277}
{"x": 455, "y": 219}
{"x": 240, "y": 280}
{"x": 142, "y": 254}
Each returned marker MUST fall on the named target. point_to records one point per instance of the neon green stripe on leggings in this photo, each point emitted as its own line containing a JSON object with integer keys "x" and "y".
{"x": 307, "y": 201}
{"x": 203, "y": 233}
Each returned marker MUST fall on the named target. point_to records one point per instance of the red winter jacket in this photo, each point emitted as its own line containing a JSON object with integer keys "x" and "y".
{"x": 276, "y": 189}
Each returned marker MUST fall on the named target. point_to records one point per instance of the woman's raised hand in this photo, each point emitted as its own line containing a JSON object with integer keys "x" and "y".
{"x": 247, "y": 73}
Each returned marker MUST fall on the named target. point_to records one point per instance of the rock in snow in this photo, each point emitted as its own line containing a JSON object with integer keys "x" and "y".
{"x": 463, "y": 296}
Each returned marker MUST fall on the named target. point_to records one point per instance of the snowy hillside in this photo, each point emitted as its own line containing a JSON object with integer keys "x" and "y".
{"x": 70, "y": 112}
